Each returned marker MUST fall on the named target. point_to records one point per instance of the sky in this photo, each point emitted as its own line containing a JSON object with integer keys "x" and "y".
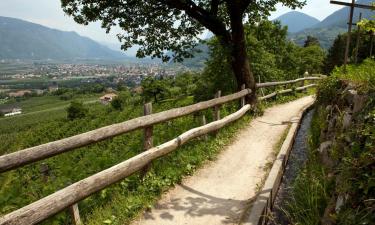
{"x": 50, "y": 14}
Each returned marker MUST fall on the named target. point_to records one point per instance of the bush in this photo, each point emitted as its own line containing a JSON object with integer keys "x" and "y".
{"x": 117, "y": 104}
{"x": 76, "y": 110}
{"x": 66, "y": 96}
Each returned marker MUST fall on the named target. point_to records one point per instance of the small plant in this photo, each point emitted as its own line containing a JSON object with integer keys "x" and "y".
{"x": 76, "y": 110}
{"x": 117, "y": 104}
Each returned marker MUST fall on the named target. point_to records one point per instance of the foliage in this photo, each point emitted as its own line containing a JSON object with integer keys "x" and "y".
{"x": 273, "y": 58}
{"x": 76, "y": 110}
{"x": 121, "y": 202}
{"x": 154, "y": 88}
{"x": 164, "y": 88}
{"x": 312, "y": 58}
{"x": 122, "y": 99}
{"x": 153, "y": 25}
{"x": 326, "y": 35}
{"x": 368, "y": 24}
{"x": 335, "y": 56}
{"x": 362, "y": 75}
{"x": 328, "y": 89}
{"x": 352, "y": 177}
{"x": 117, "y": 104}
{"x": 310, "y": 195}
{"x": 310, "y": 40}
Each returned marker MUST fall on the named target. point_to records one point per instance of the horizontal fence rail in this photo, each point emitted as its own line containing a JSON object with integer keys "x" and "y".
{"x": 72, "y": 194}
{"x": 277, "y": 83}
{"x": 56, "y": 202}
{"x": 33, "y": 154}
{"x": 273, "y": 94}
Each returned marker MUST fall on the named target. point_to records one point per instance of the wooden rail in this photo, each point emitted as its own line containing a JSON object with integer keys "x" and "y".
{"x": 69, "y": 196}
{"x": 54, "y": 203}
{"x": 277, "y": 83}
{"x": 33, "y": 154}
{"x": 273, "y": 94}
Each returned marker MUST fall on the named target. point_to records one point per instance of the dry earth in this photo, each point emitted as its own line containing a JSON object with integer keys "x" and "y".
{"x": 220, "y": 192}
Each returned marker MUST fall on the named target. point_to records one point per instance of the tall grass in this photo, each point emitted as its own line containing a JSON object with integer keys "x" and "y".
{"x": 310, "y": 195}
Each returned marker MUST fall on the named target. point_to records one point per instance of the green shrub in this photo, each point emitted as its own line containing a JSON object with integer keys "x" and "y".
{"x": 76, "y": 110}
{"x": 117, "y": 104}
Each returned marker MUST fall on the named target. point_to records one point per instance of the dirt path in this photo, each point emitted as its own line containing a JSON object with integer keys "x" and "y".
{"x": 220, "y": 192}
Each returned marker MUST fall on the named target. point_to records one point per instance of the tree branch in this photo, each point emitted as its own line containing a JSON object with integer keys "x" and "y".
{"x": 206, "y": 18}
{"x": 214, "y": 7}
{"x": 245, "y": 4}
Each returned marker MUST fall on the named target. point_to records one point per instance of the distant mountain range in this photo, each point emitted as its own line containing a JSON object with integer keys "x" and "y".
{"x": 297, "y": 21}
{"x": 336, "y": 23}
{"x": 24, "y": 40}
{"x": 20, "y": 39}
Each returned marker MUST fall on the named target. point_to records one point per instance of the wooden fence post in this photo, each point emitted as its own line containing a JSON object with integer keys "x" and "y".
{"x": 147, "y": 138}
{"x": 243, "y": 98}
{"x": 204, "y": 122}
{"x": 74, "y": 212}
{"x": 217, "y": 108}
{"x": 306, "y": 74}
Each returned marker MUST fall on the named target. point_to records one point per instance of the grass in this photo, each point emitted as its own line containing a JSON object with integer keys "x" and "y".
{"x": 310, "y": 195}
{"x": 317, "y": 187}
{"x": 47, "y": 102}
{"x": 120, "y": 202}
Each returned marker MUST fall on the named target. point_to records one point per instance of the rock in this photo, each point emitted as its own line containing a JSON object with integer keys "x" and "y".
{"x": 349, "y": 96}
{"x": 339, "y": 203}
{"x": 324, "y": 150}
{"x": 329, "y": 108}
{"x": 324, "y": 146}
{"x": 355, "y": 101}
{"x": 331, "y": 124}
{"x": 346, "y": 120}
{"x": 359, "y": 103}
{"x": 330, "y": 209}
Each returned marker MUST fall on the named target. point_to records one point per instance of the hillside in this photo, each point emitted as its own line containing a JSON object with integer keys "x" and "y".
{"x": 336, "y": 23}
{"x": 24, "y": 40}
{"x": 297, "y": 21}
{"x": 340, "y": 17}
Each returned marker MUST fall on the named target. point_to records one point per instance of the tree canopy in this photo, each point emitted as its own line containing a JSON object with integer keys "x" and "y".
{"x": 159, "y": 26}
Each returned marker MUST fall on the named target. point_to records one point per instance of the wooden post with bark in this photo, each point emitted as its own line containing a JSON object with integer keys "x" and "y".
{"x": 217, "y": 107}
{"x": 243, "y": 98}
{"x": 217, "y": 110}
{"x": 74, "y": 212}
{"x": 306, "y": 74}
{"x": 204, "y": 122}
{"x": 147, "y": 138}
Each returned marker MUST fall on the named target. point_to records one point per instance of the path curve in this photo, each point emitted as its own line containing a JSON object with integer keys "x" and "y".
{"x": 220, "y": 192}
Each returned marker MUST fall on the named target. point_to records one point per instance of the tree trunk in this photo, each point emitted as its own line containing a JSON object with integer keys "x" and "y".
{"x": 239, "y": 60}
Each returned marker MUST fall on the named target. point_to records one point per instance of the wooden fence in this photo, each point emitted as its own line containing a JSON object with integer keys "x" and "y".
{"x": 70, "y": 195}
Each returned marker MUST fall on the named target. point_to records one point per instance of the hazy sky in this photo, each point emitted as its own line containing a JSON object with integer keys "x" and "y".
{"x": 49, "y": 13}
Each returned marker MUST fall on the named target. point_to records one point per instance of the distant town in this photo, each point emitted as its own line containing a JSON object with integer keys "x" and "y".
{"x": 20, "y": 80}
{"x": 51, "y": 74}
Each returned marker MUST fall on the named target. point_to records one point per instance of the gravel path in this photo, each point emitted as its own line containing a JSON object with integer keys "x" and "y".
{"x": 220, "y": 192}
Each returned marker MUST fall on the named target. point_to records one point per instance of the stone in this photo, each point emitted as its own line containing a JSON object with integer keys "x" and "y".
{"x": 325, "y": 146}
{"x": 349, "y": 96}
{"x": 346, "y": 120}
{"x": 339, "y": 203}
{"x": 329, "y": 210}
{"x": 324, "y": 150}
{"x": 359, "y": 103}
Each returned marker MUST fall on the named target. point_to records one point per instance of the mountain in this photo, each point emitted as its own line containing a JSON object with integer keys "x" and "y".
{"x": 340, "y": 17}
{"x": 336, "y": 23}
{"x": 20, "y": 39}
{"x": 297, "y": 21}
